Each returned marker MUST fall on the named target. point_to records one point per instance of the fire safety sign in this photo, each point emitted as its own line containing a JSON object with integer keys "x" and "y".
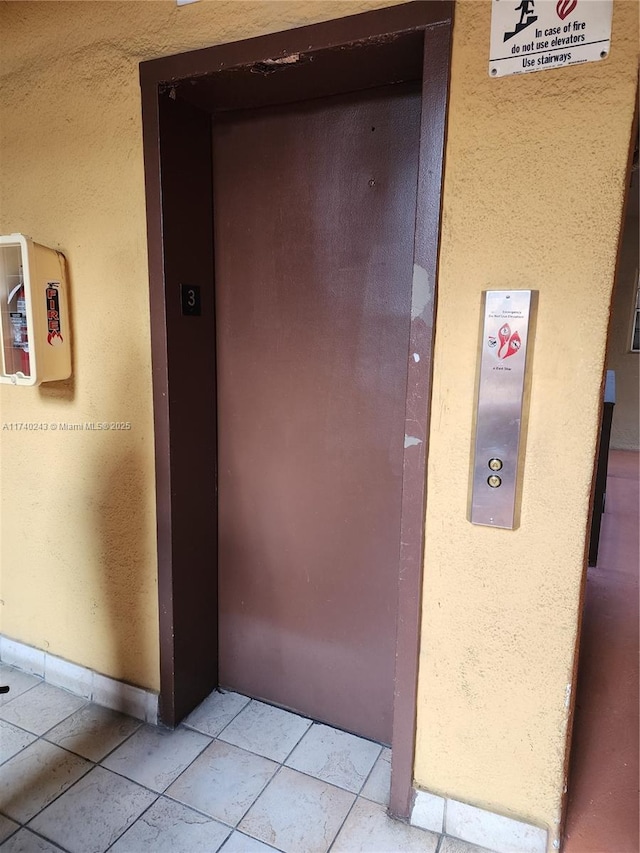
{"x": 534, "y": 35}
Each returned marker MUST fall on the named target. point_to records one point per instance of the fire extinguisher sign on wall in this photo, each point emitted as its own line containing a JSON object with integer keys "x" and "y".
{"x": 54, "y": 332}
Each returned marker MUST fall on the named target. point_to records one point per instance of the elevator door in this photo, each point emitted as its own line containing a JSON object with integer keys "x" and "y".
{"x": 314, "y": 218}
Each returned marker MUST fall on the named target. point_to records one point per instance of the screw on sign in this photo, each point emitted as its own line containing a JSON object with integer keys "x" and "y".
{"x": 533, "y": 35}
{"x": 565, "y": 8}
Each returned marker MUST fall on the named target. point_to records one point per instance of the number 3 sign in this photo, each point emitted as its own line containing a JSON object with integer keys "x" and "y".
{"x": 190, "y": 300}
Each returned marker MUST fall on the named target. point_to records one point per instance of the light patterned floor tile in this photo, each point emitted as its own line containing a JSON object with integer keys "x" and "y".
{"x": 27, "y": 842}
{"x": 369, "y": 829}
{"x": 335, "y": 757}
{"x": 455, "y": 845}
{"x": 378, "y": 785}
{"x": 34, "y": 777}
{"x": 265, "y": 730}
{"x": 12, "y": 740}
{"x": 239, "y": 843}
{"x": 217, "y": 711}
{"x": 93, "y": 732}
{"x": 156, "y": 757}
{"x": 230, "y": 782}
{"x": 297, "y": 813}
{"x": 18, "y": 682}
{"x": 39, "y": 709}
{"x": 169, "y": 827}
{"x": 89, "y": 817}
{"x": 7, "y": 827}
{"x": 223, "y": 782}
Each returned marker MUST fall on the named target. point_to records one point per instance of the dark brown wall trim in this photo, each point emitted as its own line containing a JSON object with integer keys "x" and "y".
{"x": 179, "y": 216}
{"x": 324, "y": 36}
{"x": 418, "y": 409}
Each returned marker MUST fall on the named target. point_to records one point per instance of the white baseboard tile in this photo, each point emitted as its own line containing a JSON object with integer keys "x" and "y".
{"x": 476, "y": 826}
{"x": 134, "y": 701}
{"x": 24, "y": 657}
{"x": 487, "y": 829}
{"x": 105, "y": 691}
{"x": 428, "y": 811}
{"x": 70, "y": 676}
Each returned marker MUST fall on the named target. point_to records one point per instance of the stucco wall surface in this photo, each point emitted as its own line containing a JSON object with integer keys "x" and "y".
{"x": 78, "y": 552}
{"x": 535, "y": 174}
{"x": 534, "y": 179}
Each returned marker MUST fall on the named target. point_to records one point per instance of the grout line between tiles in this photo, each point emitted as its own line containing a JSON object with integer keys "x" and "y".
{"x": 283, "y": 764}
{"x": 195, "y": 809}
{"x": 92, "y": 764}
{"x": 57, "y": 797}
{"x": 232, "y": 827}
{"x": 251, "y": 838}
{"x": 61, "y": 720}
{"x": 135, "y": 782}
{"x": 219, "y": 848}
{"x": 324, "y": 782}
{"x": 293, "y": 769}
{"x": 297, "y": 744}
{"x": 98, "y": 763}
{"x": 64, "y": 719}
{"x": 13, "y": 831}
{"x": 20, "y": 751}
{"x": 244, "y": 708}
{"x": 141, "y": 815}
{"x": 346, "y": 818}
{"x": 232, "y": 830}
{"x": 162, "y": 793}
{"x": 366, "y": 779}
{"x": 237, "y": 714}
{"x": 26, "y": 825}
{"x": 16, "y": 726}
{"x": 22, "y": 693}
{"x": 75, "y": 754}
{"x": 255, "y": 800}
{"x": 44, "y": 838}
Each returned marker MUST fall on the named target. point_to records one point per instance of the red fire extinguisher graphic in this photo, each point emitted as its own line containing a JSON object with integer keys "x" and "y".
{"x": 19, "y": 334}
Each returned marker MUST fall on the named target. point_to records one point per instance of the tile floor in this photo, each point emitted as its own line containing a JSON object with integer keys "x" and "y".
{"x": 238, "y": 776}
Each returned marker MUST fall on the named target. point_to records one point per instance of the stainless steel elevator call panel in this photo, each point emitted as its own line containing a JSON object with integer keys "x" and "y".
{"x": 500, "y": 406}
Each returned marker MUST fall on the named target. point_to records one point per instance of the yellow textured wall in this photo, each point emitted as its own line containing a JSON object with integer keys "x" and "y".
{"x": 532, "y": 199}
{"x": 79, "y": 578}
{"x": 534, "y": 184}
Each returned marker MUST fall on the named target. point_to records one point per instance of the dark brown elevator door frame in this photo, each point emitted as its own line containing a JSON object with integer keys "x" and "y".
{"x": 180, "y": 98}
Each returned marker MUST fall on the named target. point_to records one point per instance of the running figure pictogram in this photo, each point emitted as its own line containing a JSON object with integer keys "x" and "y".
{"x": 526, "y": 6}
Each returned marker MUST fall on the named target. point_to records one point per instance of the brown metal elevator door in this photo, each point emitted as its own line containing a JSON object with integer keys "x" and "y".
{"x": 314, "y": 211}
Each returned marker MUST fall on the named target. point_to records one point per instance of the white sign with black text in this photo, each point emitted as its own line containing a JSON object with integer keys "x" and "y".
{"x": 534, "y": 35}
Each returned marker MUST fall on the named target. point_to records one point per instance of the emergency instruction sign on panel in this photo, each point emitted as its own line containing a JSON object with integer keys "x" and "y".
{"x": 533, "y": 35}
